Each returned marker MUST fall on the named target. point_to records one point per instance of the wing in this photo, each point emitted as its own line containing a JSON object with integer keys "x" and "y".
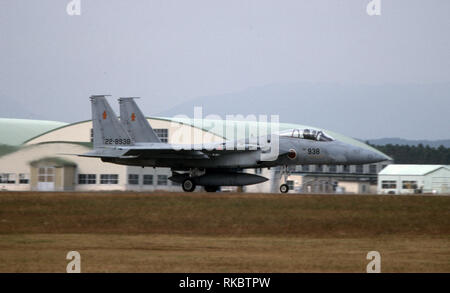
{"x": 166, "y": 151}
{"x": 203, "y": 151}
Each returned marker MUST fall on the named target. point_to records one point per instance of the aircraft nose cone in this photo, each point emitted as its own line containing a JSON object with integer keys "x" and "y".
{"x": 360, "y": 155}
{"x": 374, "y": 156}
{"x": 383, "y": 157}
{"x": 346, "y": 153}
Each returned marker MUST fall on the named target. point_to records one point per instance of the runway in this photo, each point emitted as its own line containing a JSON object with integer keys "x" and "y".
{"x": 222, "y": 232}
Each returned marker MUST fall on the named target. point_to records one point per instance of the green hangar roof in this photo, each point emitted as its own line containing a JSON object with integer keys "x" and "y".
{"x": 17, "y": 131}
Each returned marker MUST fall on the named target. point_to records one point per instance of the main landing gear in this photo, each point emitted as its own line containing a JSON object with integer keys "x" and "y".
{"x": 284, "y": 188}
{"x": 188, "y": 185}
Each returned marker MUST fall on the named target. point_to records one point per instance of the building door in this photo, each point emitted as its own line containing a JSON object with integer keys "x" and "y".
{"x": 440, "y": 184}
{"x": 46, "y": 179}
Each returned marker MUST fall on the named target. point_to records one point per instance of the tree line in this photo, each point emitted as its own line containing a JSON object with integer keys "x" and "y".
{"x": 407, "y": 154}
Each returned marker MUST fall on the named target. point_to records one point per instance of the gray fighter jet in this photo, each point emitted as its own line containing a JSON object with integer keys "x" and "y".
{"x": 132, "y": 141}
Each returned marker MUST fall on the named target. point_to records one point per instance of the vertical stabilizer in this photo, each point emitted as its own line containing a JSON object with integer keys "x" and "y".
{"x": 135, "y": 122}
{"x": 108, "y": 131}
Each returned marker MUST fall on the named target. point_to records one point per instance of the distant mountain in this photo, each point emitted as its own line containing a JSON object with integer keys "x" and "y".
{"x": 401, "y": 141}
{"x": 413, "y": 111}
{"x": 13, "y": 108}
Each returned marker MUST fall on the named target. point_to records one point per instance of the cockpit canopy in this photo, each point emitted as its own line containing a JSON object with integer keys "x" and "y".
{"x": 310, "y": 134}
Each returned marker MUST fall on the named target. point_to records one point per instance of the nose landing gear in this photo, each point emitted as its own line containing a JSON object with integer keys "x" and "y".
{"x": 284, "y": 188}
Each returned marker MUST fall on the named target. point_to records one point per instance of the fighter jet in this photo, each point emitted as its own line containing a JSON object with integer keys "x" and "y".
{"x": 132, "y": 141}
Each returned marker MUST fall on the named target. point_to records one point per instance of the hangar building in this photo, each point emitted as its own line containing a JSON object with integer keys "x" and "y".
{"x": 407, "y": 179}
{"x": 41, "y": 155}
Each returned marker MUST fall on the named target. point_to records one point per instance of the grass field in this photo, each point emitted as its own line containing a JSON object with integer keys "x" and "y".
{"x": 223, "y": 232}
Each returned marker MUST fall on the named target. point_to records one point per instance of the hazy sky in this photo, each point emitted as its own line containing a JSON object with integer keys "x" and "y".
{"x": 171, "y": 51}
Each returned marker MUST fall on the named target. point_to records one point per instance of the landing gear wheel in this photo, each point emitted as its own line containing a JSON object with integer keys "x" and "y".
{"x": 284, "y": 188}
{"x": 188, "y": 185}
{"x": 211, "y": 188}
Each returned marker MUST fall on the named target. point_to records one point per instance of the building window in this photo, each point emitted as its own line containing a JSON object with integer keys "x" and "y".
{"x": 133, "y": 179}
{"x": 87, "y": 179}
{"x": 109, "y": 179}
{"x": 91, "y": 134}
{"x": 305, "y": 168}
{"x": 388, "y": 184}
{"x": 319, "y": 168}
{"x": 359, "y": 169}
{"x": 148, "y": 179}
{"x": 346, "y": 169}
{"x": 332, "y": 168}
{"x": 46, "y": 174}
{"x": 162, "y": 133}
{"x": 409, "y": 184}
{"x": 8, "y": 178}
{"x": 162, "y": 180}
{"x": 373, "y": 169}
{"x": 24, "y": 178}
{"x": 290, "y": 184}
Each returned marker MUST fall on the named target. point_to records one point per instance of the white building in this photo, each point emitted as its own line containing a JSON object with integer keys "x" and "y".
{"x": 48, "y": 161}
{"x": 407, "y": 179}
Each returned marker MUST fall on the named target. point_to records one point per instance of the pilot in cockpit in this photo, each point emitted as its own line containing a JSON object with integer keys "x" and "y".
{"x": 310, "y": 134}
